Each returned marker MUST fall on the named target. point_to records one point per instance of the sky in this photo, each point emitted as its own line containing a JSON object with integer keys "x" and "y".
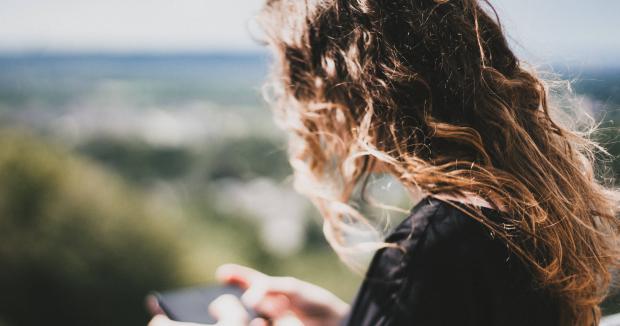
{"x": 543, "y": 29}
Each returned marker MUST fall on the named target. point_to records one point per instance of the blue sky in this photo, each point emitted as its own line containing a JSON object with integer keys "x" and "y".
{"x": 541, "y": 29}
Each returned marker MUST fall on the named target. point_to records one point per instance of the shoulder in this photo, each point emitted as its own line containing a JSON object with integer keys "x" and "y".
{"x": 435, "y": 224}
{"x": 439, "y": 246}
{"x": 439, "y": 238}
{"x": 438, "y": 250}
{"x": 445, "y": 260}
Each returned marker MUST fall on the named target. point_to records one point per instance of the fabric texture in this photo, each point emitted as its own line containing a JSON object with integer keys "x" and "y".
{"x": 449, "y": 270}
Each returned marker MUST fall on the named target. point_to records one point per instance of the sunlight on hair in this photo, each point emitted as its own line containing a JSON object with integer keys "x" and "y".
{"x": 360, "y": 92}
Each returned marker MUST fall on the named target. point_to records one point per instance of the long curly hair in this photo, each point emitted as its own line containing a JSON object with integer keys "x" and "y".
{"x": 431, "y": 91}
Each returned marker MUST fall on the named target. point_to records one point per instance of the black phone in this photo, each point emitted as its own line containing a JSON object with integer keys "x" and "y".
{"x": 191, "y": 304}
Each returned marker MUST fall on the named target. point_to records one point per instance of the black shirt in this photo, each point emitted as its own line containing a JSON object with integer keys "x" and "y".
{"x": 451, "y": 271}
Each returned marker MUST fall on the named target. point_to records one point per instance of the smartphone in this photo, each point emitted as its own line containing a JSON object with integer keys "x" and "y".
{"x": 191, "y": 304}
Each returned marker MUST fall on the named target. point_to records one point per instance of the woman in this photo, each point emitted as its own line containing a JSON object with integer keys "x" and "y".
{"x": 514, "y": 227}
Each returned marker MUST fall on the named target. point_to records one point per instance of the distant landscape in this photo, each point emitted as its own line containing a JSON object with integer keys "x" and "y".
{"x": 122, "y": 174}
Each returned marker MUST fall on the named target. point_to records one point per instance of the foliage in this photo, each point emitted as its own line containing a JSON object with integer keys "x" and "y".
{"x": 247, "y": 158}
{"x": 138, "y": 161}
{"x": 78, "y": 246}
{"x": 75, "y": 244}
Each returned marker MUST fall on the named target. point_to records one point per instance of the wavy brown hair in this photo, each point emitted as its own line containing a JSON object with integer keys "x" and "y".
{"x": 431, "y": 91}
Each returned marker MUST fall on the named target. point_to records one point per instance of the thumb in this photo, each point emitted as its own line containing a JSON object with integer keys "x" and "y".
{"x": 229, "y": 311}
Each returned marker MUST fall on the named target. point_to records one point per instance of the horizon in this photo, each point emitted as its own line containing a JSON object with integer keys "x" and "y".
{"x": 571, "y": 65}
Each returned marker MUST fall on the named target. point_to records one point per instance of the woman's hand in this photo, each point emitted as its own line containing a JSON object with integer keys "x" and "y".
{"x": 277, "y": 297}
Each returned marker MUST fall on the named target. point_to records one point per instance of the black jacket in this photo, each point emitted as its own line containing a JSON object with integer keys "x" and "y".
{"x": 452, "y": 271}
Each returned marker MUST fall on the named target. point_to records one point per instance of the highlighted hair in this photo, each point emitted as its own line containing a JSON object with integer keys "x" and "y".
{"x": 430, "y": 90}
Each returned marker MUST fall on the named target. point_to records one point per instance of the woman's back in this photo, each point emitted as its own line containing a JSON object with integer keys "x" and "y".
{"x": 450, "y": 271}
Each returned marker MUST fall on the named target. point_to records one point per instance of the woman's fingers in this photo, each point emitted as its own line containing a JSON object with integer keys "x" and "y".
{"x": 239, "y": 275}
{"x": 273, "y": 306}
{"x": 275, "y": 297}
{"x": 247, "y": 277}
{"x": 159, "y": 320}
{"x": 269, "y": 296}
{"x": 152, "y": 305}
{"x": 229, "y": 311}
{"x": 255, "y": 293}
{"x": 258, "y": 322}
{"x": 269, "y": 285}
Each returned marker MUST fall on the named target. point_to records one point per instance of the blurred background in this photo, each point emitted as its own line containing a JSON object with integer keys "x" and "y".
{"x": 136, "y": 153}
